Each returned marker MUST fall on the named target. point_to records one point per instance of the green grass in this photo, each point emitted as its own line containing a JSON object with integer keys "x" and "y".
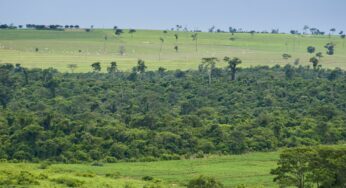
{"x": 249, "y": 169}
{"x": 59, "y": 48}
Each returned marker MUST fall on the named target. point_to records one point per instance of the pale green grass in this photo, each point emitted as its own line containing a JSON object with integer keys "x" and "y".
{"x": 58, "y": 49}
{"x": 251, "y": 169}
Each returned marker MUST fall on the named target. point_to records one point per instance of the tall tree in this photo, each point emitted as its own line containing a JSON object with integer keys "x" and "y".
{"x": 141, "y": 66}
{"x": 96, "y": 67}
{"x": 342, "y": 36}
{"x": 208, "y": 65}
{"x": 176, "y": 37}
{"x": 176, "y": 48}
{"x": 113, "y": 68}
{"x": 293, "y": 168}
{"x": 314, "y": 62}
{"x": 305, "y": 28}
{"x": 132, "y": 31}
{"x": 72, "y": 67}
{"x": 195, "y": 38}
{"x": 118, "y": 32}
{"x": 162, "y": 41}
{"x": 232, "y": 65}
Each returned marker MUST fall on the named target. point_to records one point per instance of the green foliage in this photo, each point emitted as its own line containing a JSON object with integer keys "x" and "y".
{"x": 204, "y": 182}
{"x": 305, "y": 167}
{"x": 164, "y": 115}
{"x": 69, "y": 182}
{"x": 24, "y": 178}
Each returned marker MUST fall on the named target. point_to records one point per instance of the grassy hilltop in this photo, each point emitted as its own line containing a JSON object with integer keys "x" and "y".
{"x": 59, "y": 48}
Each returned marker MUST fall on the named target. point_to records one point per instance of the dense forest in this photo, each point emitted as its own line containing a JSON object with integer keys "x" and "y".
{"x": 151, "y": 115}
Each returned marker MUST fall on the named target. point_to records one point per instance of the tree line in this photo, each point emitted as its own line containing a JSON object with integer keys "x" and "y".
{"x": 160, "y": 115}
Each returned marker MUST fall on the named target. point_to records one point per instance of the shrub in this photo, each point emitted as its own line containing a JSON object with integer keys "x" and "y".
{"x": 204, "y": 182}
{"x": 110, "y": 160}
{"x": 114, "y": 175}
{"x": 129, "y": 185}
{"x": 86, "y": 175}
{"x": 44, "y": 165}
{"x": 96, "y": 163}
{"x": 69, "y": 182}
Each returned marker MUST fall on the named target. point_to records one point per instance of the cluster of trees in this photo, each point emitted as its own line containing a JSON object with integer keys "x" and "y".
{"x": 40, "y": 27}
{"x": 150, "y": 115}
{"x": 51, "y": 27}
{"x": 319, "y": 167}
{"x": 11, "y": 26}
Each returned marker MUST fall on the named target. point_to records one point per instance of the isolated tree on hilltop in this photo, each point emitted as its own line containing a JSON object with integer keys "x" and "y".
{"x": 305, "y": 28}
{"x": 252, "y": 33}
{"x": 131, "y": 31}
{"x": 96, "y": 66}
{"x": 118, "y": 32}
{"x": 332, "y": 30}
{"x": 176, "y": 37}
{"x": 342, "y": 36}
{"x": 208, "y": 65}
{"x": 195, "y": 38}
{"x": 232, "y": 65}
{"x": 162, "y": 41}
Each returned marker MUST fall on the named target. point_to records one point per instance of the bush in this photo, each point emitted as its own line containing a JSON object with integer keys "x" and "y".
{"x": 114, "y": 175}
{"x": 147, "y": 178}
{"x": 204, "y": 182}
{"x": 110, "y": 160}
{"x": 129, "y": 185}
{"x": 96, "y": 163}
{"x": 69, "y": 182}
{"x": 86, "y": 175}
{"x": 44, "y": 165}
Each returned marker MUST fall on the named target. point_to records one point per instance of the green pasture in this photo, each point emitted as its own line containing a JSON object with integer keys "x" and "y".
{"x": 59, "y": 48}
{"x": 251, "y": 170}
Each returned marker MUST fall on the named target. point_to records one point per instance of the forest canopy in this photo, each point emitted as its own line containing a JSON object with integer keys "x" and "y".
{"x": 151, "y": 115}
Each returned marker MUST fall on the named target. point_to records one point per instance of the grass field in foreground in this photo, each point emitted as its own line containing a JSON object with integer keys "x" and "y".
{"x": 59, "y": 48}
{"x": 248, "y": 169}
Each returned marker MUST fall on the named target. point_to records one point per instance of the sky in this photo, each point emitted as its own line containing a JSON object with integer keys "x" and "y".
{"x": 195, "y": 14}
